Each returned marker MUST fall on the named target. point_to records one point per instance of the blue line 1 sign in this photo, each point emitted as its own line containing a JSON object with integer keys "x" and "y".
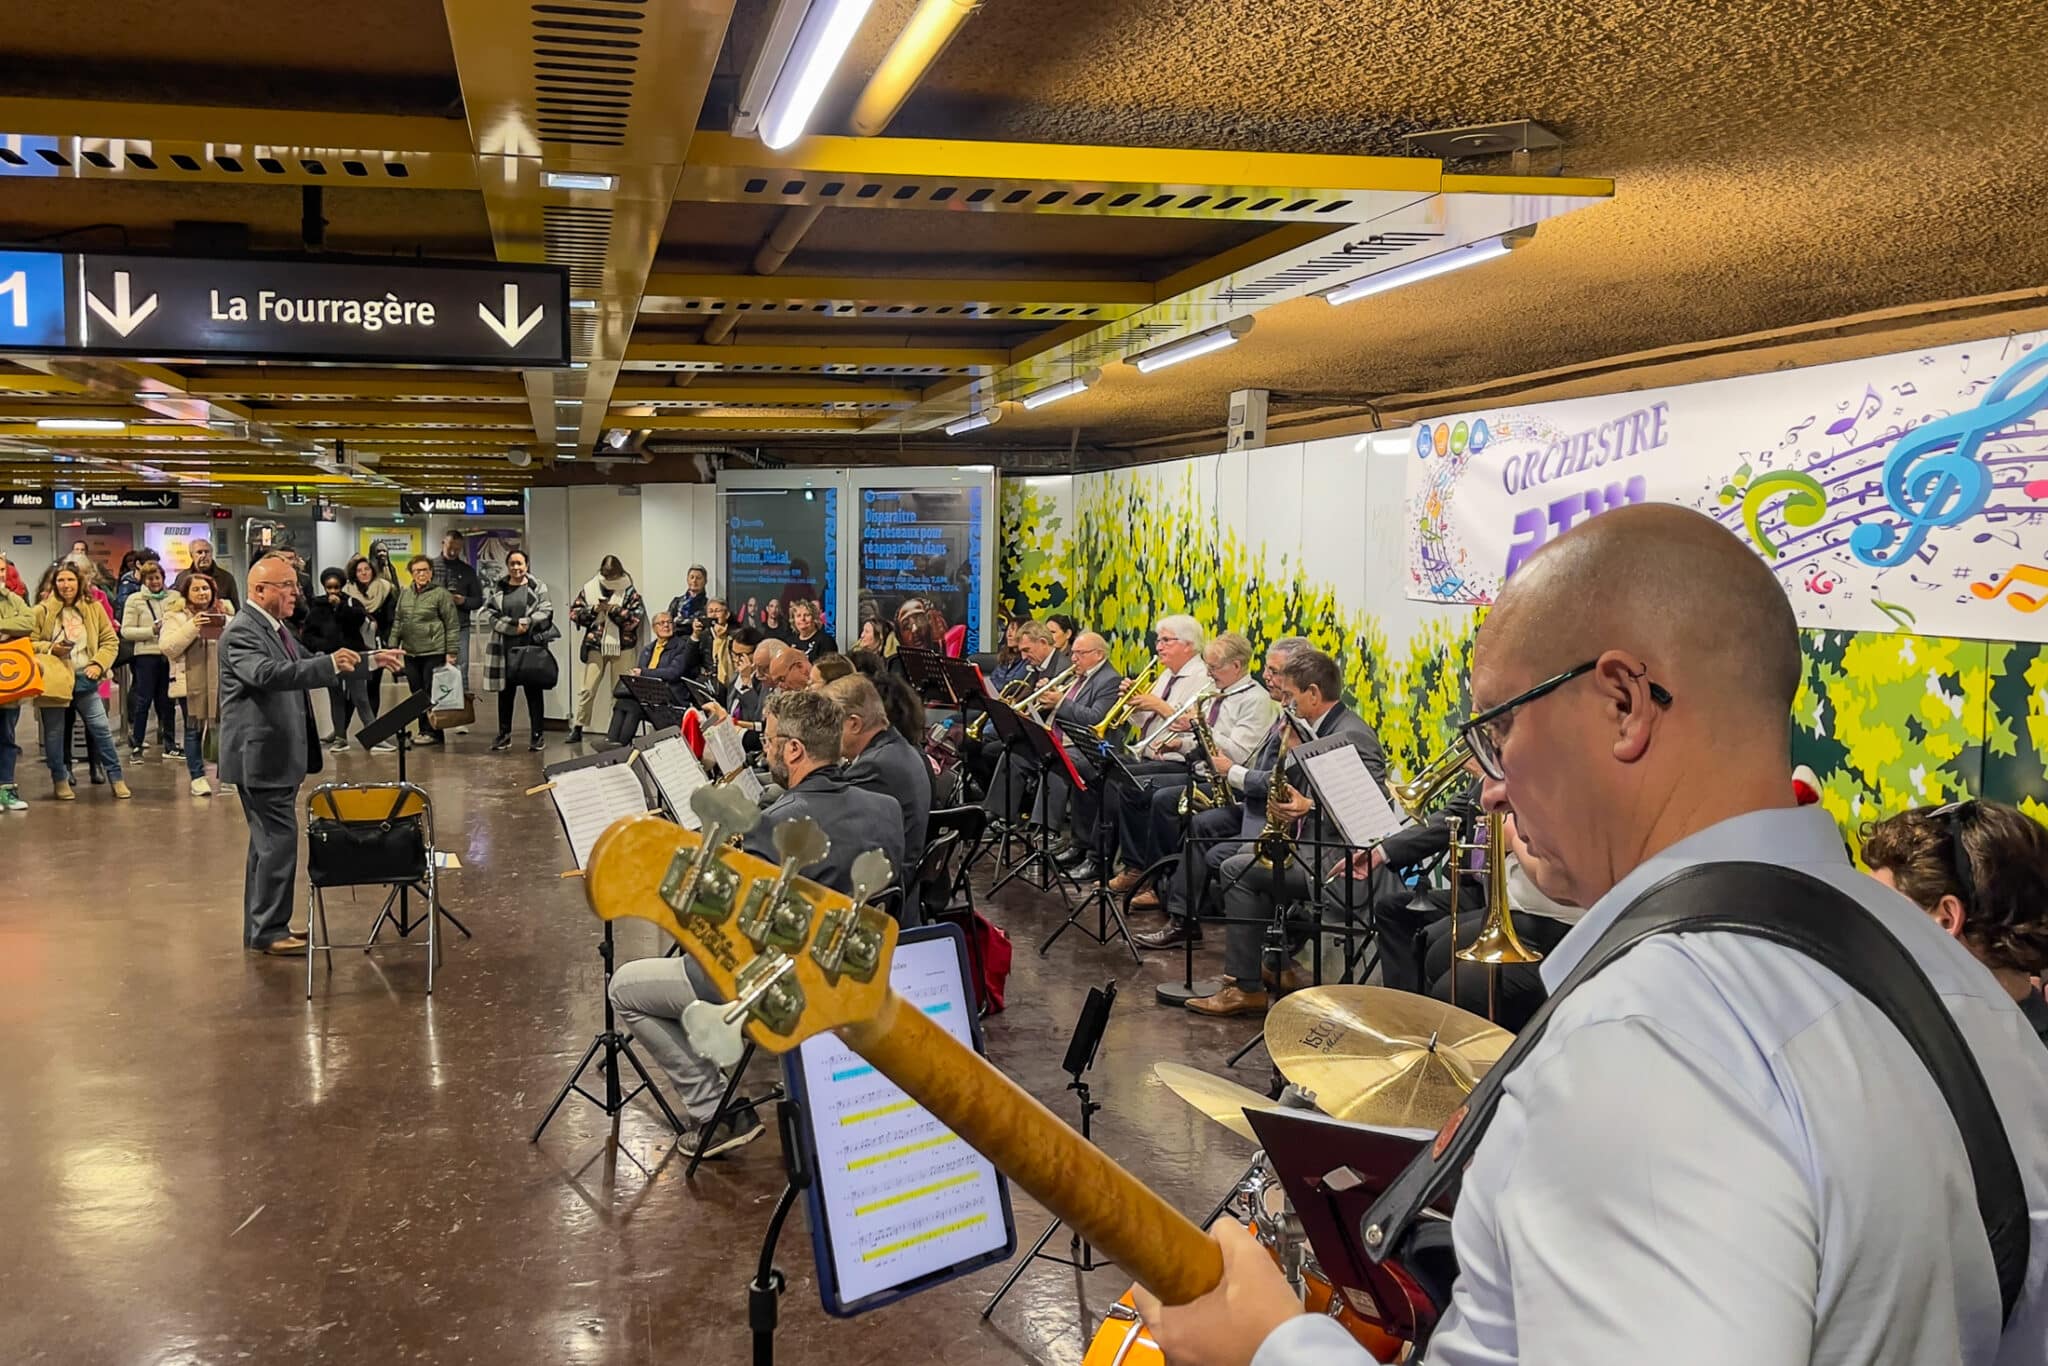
{"x": 285, "y": 309}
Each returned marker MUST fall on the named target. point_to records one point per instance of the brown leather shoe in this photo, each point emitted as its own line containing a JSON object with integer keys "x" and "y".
{"x": 291, "y": 946}
{"x": 1231, "y": 1001}
{"x": 1172, "y": 935}
{"x": 1147, "y": 900}
{"x": 1286, "y": 980}
{"x": 1124, "y": 881}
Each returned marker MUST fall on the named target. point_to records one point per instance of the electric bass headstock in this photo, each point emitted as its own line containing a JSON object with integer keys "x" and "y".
{"x": 790, "y": 957}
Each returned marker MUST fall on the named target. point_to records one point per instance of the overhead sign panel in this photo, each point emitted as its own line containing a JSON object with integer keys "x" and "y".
{"x": 462, "y": 504}
{"x": 442, "y": 313}
{"x": 25, "y": 500}
{"x": 109, "y": 500}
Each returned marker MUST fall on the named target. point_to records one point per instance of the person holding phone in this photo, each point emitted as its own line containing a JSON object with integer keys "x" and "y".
{"x": 190, "y": 640}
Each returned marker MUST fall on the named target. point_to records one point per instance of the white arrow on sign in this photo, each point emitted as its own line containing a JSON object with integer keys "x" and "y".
{"x": 510, "y": 329}
{"x": 121, "y": 317}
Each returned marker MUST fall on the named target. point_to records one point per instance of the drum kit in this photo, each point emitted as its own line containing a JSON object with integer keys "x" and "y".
{"x": 1362, "y": 1055}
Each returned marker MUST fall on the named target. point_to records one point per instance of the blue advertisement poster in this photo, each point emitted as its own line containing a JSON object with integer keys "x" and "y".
{"x": 781, "y": 546}
{"x": 923, "y": 543}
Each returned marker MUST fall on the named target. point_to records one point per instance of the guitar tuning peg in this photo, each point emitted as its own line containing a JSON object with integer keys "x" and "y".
{"x": 724, "y": 809}
{"x": 871, "y": 873}
{"x": 802, "y": 841}
{"x": 711, "y": 1037}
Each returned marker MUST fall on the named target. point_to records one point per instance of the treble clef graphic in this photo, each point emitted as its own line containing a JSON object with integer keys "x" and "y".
{"x": 1930, "y": 486}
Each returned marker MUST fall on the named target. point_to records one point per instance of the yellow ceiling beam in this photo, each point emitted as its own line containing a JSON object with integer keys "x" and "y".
{"x": 396, "y": 414}
{"x": 688, "y": 422}
{"x": 855, "y": 289}
{"x": 28, "y": 410}
{"x": 180, "y": 430}
{"x": 791, "y": 392}
{"x": 261, "y": 381}
{"x": 39, "y": 384}
{"x": 936, "y": 359}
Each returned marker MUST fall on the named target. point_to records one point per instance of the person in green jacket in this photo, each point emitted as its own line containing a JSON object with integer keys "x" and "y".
{"x": 425, "y": 627}
{"x": 17, "y": 620}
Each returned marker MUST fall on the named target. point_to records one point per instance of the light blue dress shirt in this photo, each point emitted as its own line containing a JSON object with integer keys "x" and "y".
{"x": 1720, "y": 1153}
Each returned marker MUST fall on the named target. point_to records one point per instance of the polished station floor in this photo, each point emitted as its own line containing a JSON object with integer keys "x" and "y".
{"x": 199, "y": 1166}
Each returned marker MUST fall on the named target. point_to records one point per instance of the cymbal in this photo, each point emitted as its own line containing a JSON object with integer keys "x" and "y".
{"x": 1376, "y": 1056}
{"x": 1220, "y": 1098}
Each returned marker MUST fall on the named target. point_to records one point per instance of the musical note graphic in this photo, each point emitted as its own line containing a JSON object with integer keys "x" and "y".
{"x": 1901, "y": 618}
{"x": 1792, "y": 433}
{"x": 1866, "y": 408}
{"x": 1819, "y": 580}
{"x": 1906, "y": 390}
{"x": 2006, "y": 536}
{"x": 2034, "y": 576}
{"x": 2036, "y": 489}
{"x": 1932, "y": 477}
{"x": 1804, "y": 505}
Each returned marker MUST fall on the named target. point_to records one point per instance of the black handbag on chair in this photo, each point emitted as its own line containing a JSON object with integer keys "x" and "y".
{"x": 355, "y": 853}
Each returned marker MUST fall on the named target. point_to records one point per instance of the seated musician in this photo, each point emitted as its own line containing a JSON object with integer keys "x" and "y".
{"x": 1074, "y": 711}
{"x": 786, "y": 668}
{"x": 1237, "y": 715}
{"x": 1042, "y": 664}
{"x": 1182, "y": 675}
{"x": 1718, "y": 1150}
{"x": 802, "y": 745}
{"x": 1403, "y": 916}
{"x": 1211, "y": 835}
{"x": 1010, "y": 663}
{"x": 879, "y": 759}
{"x": 662, "y": 657}
{"x": 1981, "y": 870}
{"x": 1508, "y": 993}
{"x": 1312, "y": 690}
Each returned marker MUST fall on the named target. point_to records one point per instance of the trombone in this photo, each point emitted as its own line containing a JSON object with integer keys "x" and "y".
{"x": 1160, "y": 732}
{"x": 1011, "y": 696}
{"x": 1120, "y": 710}
{"x": 1496, "y": 942}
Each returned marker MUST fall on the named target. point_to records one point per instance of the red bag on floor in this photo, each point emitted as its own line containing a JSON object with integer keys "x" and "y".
{"x": 991, "y": 952}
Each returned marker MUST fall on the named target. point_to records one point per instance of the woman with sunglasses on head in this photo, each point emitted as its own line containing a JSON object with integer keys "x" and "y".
{"x": 1981, "y": 870}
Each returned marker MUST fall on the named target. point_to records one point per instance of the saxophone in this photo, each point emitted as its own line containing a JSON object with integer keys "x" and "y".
{"x": 1201, "y": 795}
{"x": 1275, "y": 843}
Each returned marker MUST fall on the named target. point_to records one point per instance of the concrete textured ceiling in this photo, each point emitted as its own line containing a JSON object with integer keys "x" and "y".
{"x": 1778, "y": 166}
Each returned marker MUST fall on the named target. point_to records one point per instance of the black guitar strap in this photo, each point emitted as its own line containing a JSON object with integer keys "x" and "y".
{"x": 1798, "y": 912}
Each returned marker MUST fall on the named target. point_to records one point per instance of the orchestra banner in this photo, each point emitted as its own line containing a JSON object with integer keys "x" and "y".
{"x": 1906, "y": 492}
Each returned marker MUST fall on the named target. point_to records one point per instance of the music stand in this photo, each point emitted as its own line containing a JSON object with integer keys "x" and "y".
{"x": 1108, "y": 909}
{"x": 1053, "y": 765}
{"x": 657, "y": 701}
{"x": 611, "y": 1040}
{"x": 923, "y": 670}
{"x": 396, "y": 725}
{"x": 1081, "y": 1051}
{"x": 1010, "y": 729}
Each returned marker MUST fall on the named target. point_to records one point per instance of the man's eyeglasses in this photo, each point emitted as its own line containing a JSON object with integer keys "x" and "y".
{"x": 1956, "y": 815}
{"x": 1485, "y": 733}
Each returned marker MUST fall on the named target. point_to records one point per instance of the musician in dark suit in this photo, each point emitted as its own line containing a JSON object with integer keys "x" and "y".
{"x": 1211, "y": 833}
{"x": 662, "y": 657}
{"x": 1072, "y": 711}
{"x": 802, "y": 744}
{"x": 987, "y": 759}
{"x": 1311, "y": 689}
{"x": 879, "y": 759}
{"x": 1405, "y": 917}
{"x": 268, "y": 743}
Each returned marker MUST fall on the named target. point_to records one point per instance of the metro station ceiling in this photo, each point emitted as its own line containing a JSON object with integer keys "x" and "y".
{"x": 1774, "y": 165}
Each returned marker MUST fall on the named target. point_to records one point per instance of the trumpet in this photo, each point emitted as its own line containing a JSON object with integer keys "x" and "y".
{"x": 1011, "y": 695}
{"x": 1120, "y": 710}
{"x": 1160, "y": 732}
{"x": 1057, "y": 681}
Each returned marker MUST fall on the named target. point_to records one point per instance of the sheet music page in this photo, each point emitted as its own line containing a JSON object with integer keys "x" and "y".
{"x": 722, "y": 743}
{"x": 591, "y": 799}
{"x": 677, "y": 773}
{"x": 750, "y": 783}
{"x": 1351, "y": 797}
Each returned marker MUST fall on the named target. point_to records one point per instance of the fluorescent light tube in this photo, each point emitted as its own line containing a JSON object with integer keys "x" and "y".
{"x": 1398, "y": 441}
{"x": 973, "y": 422}
{"x": 579, "y": 180}
{"x": 79, "y": 424}
{"x": 1440, "y": 264}
{"x": 821, "y": 43}
{"x": 1066, "y": 388}
{"x": 582, "y": 304}
{"x": 1187, "y": 348}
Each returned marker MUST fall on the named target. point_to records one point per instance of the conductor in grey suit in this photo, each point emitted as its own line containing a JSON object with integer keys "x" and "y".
{"x": 801, "y": 741}
{"x": 267, "y": 744}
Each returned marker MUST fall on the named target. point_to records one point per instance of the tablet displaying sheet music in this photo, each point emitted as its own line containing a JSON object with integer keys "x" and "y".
{"x": 898, "y": 1202}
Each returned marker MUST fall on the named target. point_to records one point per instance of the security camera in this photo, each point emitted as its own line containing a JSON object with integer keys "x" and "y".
{"x": 519, "y": 457}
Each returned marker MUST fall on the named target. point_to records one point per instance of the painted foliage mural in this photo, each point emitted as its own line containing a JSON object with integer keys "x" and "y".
{"x": 1886, "y": 719}
{"x": 1037, "y": 540}
{"x": 1148, "y": 546}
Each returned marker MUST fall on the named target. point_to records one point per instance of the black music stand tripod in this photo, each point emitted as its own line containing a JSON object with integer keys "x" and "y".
{"x": 396, "y": 726}
{"x": 1109, "y": 912}
{"x": 764, "y": 1292}
{"x": 1020, "y": 736}
{"x": 1081, "y": 1050}
{"x": 615, "y": 1043}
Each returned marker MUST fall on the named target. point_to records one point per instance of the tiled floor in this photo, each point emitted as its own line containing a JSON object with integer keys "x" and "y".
{"x": 197, "y": 1166}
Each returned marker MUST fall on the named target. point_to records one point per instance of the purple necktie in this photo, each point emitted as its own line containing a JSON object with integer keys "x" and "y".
{"x": 284, "y": 638}
{"x": 1215, "y": 709}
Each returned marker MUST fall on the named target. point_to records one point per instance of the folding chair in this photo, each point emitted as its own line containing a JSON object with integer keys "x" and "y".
{"x": 368, "y": 835}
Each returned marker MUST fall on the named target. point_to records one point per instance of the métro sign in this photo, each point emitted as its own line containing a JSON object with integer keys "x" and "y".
{"x": 462, "y": 504}
{"x": 257, "y": 308}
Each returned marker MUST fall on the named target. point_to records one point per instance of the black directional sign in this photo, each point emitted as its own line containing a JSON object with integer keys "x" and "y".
{"x": 109, "y": 500}
{"x": 168, "y": 307}
{"x": 25, "y": 500}
{"x": 461, "y": 504}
